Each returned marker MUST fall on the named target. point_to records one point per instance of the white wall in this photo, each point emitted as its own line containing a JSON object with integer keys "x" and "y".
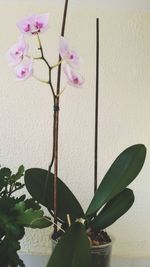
{"x": 121, "y": 4}
{"x": 26, "y": 117}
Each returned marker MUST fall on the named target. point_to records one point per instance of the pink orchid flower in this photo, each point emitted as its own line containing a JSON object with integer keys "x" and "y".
{"x": 74, "y": 79}
{"x": 70, "y": 56}
{"x": 34, "y": 24}
{"x": 24, "y": 70}
{"x": 17, "y": 52}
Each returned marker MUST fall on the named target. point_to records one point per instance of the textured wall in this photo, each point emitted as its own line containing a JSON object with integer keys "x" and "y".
{"x": 26, "y": 110}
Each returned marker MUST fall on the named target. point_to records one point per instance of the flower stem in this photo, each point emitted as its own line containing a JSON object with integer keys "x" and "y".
{"x": 56, "y": 123}
{"x": 61, "y": 92}
{"x": 40, "y": 80}
{"x": 46, "y": 62}
{"x": 56, "y": 65}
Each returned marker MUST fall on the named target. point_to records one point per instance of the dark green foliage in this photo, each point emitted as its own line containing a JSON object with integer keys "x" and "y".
{"x": 111, "y": 200}
{"x": 15, "y": 214}
{"x": 73, "y": 249}
{"x": 44, "y": 192}
{"x": 113, "y": 210}
{"x": 9, "y": 182}
{"x": 121, "y": 173}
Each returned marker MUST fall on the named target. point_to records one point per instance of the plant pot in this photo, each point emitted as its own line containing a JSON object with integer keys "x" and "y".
{"x": 101, "y": 255}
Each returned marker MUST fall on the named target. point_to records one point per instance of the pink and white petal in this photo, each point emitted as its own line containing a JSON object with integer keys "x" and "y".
{"x": 12, "y": 61}
{"x": 34, "y": 24}
{"x": 24, "y": 71}
{"x": 63, "y": 47}
{"x": 16, "y": 53}
{"x": 41, "y": 22}
{"x": 77, "y": 81}
{"x": 73, "y": 59}
{"x": 25, "y": 25}
{"x": 74, "y": 79}
{"x": 70, "y": 56}
{"x": 68, "y": 72}
{"x": 23, "y": 45}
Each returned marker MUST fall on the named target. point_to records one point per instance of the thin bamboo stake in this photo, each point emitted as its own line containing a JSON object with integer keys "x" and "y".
{"x": 96, "y": 105}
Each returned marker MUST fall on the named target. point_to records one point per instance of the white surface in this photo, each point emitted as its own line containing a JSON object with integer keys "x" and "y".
{"x": 26, "y": 117}
{"x": 118, "y": 4}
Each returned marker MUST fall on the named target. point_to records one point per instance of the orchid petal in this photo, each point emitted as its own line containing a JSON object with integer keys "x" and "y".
{"x": 74, "y": 79}
{"x": 17, "y": 52}
{"x": 34, "y": 24}
{"x": 24, "y": 70}
{"x": 70, "y": 56}
{"x": 63, "y": 46}
{"x": 41, "y": 22}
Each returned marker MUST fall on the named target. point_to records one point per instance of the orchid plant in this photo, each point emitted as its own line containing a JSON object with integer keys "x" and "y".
{"x": 112, "y": 198}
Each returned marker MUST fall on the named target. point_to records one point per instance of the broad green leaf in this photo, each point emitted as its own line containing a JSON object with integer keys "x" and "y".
{"x": 41, "y": 188}
{"x": 114, "y": 209}
{"x": 73, "y": 249}
{"x": 122, "y": 172}
{"x": 41, "y": 223}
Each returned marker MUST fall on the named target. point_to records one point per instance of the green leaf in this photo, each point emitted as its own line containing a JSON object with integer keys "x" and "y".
{"x": 42, "y": 189}
{"x": 122, "y": 172}
{"x": 30, "y": 218}
{"x": 10, "y": 226}
{"x": 20, "y": 207}
{"x": 41, "y": 223}
{"x": 73, "y": 249}
{"x": 20, "y": 172}
{"x": 8, "y": 253}
{"x": 113, "y": 210}
{"x": 5, "y": 172}
{"x": 7, "y": 203}
{"x": 32, "y": 203}
{"x": 18, "y": 175}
